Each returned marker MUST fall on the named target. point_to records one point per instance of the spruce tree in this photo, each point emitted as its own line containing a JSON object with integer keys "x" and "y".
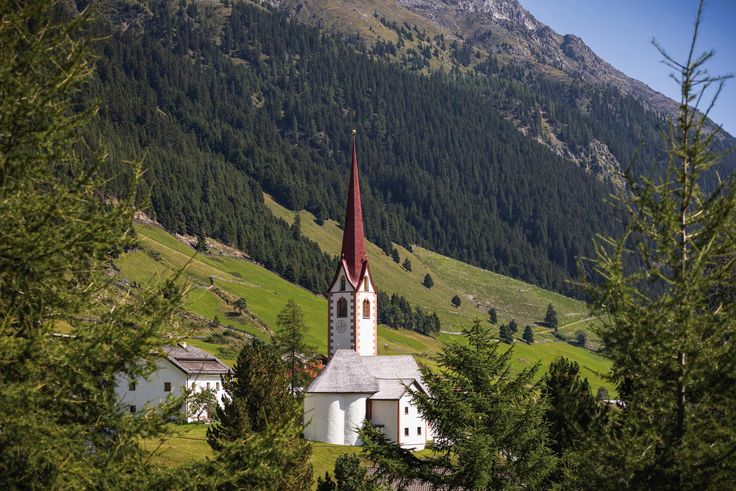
{"x": 489, "y": 431}
{"x": 68, "y": 332}
{"x": 665, "y": 325}
{"x": 528, "y": 335}
{"x": 257, "y": 432}
{"x": 428, "y": 281}
{"x": 550, "y": 319}
{"x": 492, "y": 315}
{"x": 570, "y": 406}
{"x": 456, "y": 301}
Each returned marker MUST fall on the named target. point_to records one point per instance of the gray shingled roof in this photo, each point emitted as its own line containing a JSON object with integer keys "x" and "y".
{"x": 383, "y": 376}
{"x": 194, "y": 361}
{"x": 344, "y": 372}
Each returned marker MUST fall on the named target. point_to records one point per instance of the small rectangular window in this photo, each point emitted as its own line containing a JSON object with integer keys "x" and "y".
{"x": 132, "y": 409}
{"x": 419, "y": 431}
{"x": 342, "y": 283}
{"x": 406, "y": 431}
{"x": 131, "y": 386}
{"x": 217, "y": 385}
{"x": 167, "y": 386}
{"x": 208, "y": 386}
{"x": 406, "y": 409}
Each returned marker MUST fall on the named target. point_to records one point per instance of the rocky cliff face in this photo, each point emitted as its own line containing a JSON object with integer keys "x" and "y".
{"x": 505, "y": 28}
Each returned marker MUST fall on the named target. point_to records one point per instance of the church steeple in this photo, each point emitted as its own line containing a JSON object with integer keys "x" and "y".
{"x": 352, "y": 302}
{"x": 353, "y": 242}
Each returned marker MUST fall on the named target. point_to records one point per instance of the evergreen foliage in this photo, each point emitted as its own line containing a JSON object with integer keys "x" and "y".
{"x": 395, "y": 255}
{"x": 428, "y": 282}
{"x": 505, "y": 334}
{"x": 488, "y": 424}
{"x": 257, "y": 432}
{"x": 665, "y": 324}
{"x": 492, "y": 316}
{"x": 456, "y": 301}
{"x": 513, "y": 326}
{"x": 407, "y": 264}
{"x": 396, "y": 311}
{"x": 219, "y": 120}
{"x": 550, "y": 319}
{"x": 528, "y": 335}
{"x": 289, "y": 341}
{"x": 67, "y": 331}
{"x": 570, "y": 407}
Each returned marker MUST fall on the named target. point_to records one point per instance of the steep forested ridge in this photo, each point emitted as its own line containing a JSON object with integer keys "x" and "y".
{"x": 263, "y": 103}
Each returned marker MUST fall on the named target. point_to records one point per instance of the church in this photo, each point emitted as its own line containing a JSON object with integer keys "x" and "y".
{"x": 357, "y": 384}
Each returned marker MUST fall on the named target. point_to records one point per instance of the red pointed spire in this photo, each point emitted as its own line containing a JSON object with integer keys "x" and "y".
{"x": 353, "y": 242}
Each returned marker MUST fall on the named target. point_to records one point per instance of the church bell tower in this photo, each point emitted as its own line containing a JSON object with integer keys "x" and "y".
{"x": 352, "y": 297}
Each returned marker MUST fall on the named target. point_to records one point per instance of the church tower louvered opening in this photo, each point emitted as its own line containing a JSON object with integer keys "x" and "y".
{"x": 352, "y": 296}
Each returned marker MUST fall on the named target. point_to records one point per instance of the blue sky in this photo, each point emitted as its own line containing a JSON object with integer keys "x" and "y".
{"x": 620, "y": 31}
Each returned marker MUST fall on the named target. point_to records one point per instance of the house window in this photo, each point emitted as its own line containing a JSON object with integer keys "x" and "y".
{"x": 406, "y": 431}
{"x": 208, "y": 386}
{"x": 167, "y": 386}
{"x": 342, "y": 308}
{"x": 365, "y": 285}
{"x": 217, "y": 385}
{"x": 366, "y": 309}
{"x": 419, "y": 431}
{"x": 131, "y": 386}
{"x": 132, "y": 409}
{"x": 342, "y": 283}
{"x": 406, "y": 409}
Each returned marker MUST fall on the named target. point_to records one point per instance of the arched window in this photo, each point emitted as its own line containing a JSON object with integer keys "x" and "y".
{"x": 342, "y": 308}
{"x": 366, "y": 309}
{"x": 342, "y": 283}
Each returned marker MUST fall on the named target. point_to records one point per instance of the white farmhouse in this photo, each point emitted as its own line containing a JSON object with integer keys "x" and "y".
{"x": 184, "y": 367}
{"x": 356, "y": 384}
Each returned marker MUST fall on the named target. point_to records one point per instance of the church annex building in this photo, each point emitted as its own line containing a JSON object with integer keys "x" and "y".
{"x": 357, "y": 384}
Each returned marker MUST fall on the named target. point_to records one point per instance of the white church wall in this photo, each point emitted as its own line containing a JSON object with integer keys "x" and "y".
{"x": 334, "y": 418}
{"x": 342, "y": 339}
{"x": 367, "y": 342}
{"x": 385, "y": 414}
{"x": 355, "y": 405}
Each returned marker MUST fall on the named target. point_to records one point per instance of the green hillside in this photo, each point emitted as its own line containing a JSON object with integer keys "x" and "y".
{"x": 215, "y": 280}
{"x": 478, "y": 289}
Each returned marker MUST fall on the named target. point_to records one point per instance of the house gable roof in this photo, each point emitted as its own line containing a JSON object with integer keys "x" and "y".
{"x": 194, "y": 361}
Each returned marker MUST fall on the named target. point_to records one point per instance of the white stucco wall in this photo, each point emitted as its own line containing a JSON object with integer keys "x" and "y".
{"x": 384, "y": 413}
{"x": 334, "y": 418}
{"x": 151, "y": 392}
{"x": 367, "y": 345}
{"x": 410, "y": 419}
{"x": 341, "y": 340}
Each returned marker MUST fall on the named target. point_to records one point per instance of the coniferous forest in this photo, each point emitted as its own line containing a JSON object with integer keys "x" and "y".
{"x": 223, "y": 108}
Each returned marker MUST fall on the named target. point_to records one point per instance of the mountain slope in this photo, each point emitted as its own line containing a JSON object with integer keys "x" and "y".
{"x": 215, "y": 280}
{"x": 260, "y": 102}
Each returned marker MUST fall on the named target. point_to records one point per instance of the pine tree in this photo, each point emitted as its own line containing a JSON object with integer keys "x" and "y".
{"x": 289, "y": 341}
{"x": 550, "y": 319}
{"x": 665, "y": 325}
{"x": 395, "y": 255}
{"x": 257, "y": 434}
{"x": 428, "y": 281}
{"x": 456, "y": 301}
{"x": 513, "y": 326}
{"x": 488, "y": 423}
{"x": 407, "y": 264}
{"x": 528, "y": 335}
{"x": 492, "y": 316}
{"x": 570, "y": 406}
